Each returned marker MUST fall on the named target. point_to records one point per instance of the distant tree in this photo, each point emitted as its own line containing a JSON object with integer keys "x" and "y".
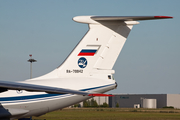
{"x": 94, "y": 103}
{"x": 76, "y": 105}
{"x": 117, "y": 105}
{"x": 90, "y": 103}
{"x": 169, "y": 107}
{"x": 105, "y": 105}
{"x": 85, "y": 104}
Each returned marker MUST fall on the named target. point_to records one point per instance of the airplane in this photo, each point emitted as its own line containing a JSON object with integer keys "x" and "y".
{"x": 85, "y": 73}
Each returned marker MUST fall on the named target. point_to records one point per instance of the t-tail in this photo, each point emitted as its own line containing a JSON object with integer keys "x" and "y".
{"x": 99, "y": 49}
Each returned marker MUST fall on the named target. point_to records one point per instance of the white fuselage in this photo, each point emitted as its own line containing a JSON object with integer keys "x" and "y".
{"x": 38, "y": 103}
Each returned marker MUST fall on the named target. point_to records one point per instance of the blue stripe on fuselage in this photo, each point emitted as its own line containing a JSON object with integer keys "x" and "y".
{"x": 30, "y": 97}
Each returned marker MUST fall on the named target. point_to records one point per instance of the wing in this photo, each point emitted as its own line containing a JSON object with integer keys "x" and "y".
{"x": 7, "y": 85}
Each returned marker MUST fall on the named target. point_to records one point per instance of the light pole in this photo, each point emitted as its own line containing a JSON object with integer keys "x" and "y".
{"x": 31, "y": 60}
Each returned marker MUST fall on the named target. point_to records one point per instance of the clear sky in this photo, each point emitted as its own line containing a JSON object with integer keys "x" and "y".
{"x": 148, "y": 63}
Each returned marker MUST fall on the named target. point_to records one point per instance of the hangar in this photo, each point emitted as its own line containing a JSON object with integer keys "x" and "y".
{"x": 144, "y": 100}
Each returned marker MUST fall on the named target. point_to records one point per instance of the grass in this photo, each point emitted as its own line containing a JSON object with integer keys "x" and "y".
{"x": 111, "y": 114}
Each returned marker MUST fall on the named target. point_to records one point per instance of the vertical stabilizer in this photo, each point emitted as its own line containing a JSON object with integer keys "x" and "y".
{"x": 97, "y": 52}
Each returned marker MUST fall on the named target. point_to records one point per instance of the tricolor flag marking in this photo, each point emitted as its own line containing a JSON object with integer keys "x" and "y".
{"x": 88, "y": 51}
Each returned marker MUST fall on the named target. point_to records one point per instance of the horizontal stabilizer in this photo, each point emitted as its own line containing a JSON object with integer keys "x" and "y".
{"x": 99, "y": 19}
{"x": 129, "y": 18}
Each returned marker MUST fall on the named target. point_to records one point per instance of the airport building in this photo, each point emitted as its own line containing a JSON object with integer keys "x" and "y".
{"x": 140, "y": 100}
{"x": 144, "y": 100}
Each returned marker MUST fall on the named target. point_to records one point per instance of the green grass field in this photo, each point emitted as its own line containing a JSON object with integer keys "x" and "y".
{"x": 111, "y": 114}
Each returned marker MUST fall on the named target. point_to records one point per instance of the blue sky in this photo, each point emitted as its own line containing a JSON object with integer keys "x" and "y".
{"x": 148, "y": 63}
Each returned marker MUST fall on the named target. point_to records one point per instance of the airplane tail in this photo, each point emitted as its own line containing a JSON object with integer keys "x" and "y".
{"x": 98, "y": 50}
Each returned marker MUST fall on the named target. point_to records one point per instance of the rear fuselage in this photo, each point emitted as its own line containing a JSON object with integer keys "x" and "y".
{"x": 38, "y": 103}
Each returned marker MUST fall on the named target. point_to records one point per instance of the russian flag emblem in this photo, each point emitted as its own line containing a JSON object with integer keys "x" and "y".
{"x": 89, "y": 51}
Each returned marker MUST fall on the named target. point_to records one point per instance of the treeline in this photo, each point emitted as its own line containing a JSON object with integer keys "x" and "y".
{"x": 91, "y": 103}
